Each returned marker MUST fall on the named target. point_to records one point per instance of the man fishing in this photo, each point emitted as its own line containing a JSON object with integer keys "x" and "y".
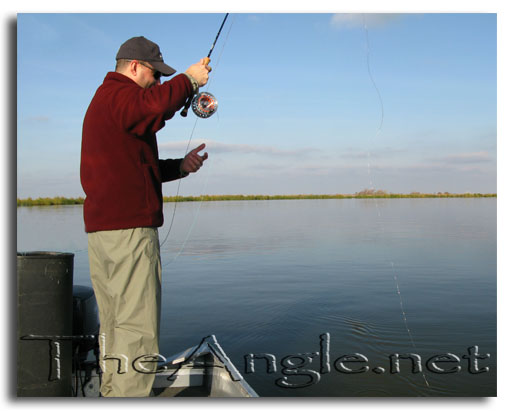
{"x": 122, "y": 176}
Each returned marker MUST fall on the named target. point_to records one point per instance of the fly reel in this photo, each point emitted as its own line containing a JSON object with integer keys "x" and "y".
{"x": 204, "y": 105}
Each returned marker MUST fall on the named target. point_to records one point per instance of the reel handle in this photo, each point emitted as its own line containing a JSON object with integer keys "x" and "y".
{"x": 183, "y": 113}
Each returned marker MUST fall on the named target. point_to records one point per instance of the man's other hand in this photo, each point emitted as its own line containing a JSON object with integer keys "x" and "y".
{"x": 193, "y": 161}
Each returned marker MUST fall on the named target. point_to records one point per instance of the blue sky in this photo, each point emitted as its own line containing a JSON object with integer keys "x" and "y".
{"x": 299, "y": 111}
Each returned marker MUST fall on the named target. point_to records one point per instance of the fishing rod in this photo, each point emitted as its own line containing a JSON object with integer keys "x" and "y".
{"x": 204, "y": 104}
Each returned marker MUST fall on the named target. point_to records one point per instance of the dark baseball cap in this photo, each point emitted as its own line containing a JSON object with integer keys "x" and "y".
{"x": 140, "y": 48}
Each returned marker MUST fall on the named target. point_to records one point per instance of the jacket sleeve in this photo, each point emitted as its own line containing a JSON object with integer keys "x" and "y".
{"x": 144, "y": 111}
{"x": 170, "y": 169}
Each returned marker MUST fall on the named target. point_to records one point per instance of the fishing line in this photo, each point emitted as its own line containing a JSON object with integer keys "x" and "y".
{"x": 178, "y": 186}
{"x": 195, "y": 218}
{"x": 379, "y": 130}
{"x": 209, "y": 168}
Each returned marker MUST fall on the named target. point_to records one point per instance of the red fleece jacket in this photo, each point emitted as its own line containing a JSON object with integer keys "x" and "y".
{"x": 120, "y": 170}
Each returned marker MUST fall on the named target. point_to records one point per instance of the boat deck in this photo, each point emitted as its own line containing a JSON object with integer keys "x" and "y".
{"x": 201, "y": 371}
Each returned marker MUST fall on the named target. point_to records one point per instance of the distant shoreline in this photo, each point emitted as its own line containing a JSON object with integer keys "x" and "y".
{"x": 52, "y": 201}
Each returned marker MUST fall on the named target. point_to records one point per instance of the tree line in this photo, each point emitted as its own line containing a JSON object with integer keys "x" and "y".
{"x": 367, "y": 193}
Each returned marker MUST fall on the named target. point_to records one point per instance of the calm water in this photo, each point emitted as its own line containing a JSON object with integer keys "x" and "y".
{"x": 270, "y": 277}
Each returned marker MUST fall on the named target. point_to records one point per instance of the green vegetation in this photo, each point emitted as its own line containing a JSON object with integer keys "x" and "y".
{"x": 45, "y": 201}
{"x": 365, "y": 194}
{"x": 368, "y": 193}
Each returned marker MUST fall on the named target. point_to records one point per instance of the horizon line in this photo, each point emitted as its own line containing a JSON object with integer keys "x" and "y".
{"x": 368, "y": 193}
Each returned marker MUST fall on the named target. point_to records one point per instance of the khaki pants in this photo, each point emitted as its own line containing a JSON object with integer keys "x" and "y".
{"x": 125, "y": 270}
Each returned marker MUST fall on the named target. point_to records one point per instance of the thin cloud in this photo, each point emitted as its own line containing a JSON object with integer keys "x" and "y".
{"x": 219, "y": 147}
{"x": 38, "y": 119}
{"x": 466, "y": 158}
{"x": 40, "y": 31}
{"x": 93, "y": 33}
{"x": 255, "y": 18}
{"x": 376, "y": 153}
{"x": 358, "y": 20}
